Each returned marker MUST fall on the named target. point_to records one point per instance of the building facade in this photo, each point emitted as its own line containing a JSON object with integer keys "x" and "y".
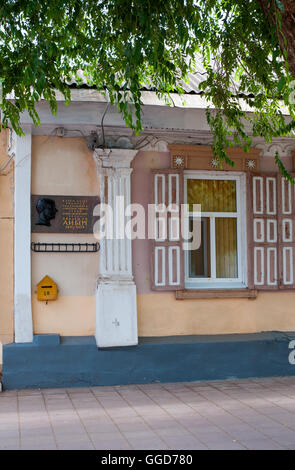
{"x": 145, "y": 309}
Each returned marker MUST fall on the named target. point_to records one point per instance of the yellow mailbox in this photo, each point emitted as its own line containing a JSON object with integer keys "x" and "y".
{"x": 46, "y": 289}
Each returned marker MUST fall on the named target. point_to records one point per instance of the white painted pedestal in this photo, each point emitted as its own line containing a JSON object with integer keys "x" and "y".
{"x": 115, "y": 302}
{"x": 116, "y": 314}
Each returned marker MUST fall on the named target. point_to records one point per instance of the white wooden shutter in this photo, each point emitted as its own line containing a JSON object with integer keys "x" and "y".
{"x": 286, "y": 233}
{"x": 167, "y": 263}
{"x": 263, "y": 231}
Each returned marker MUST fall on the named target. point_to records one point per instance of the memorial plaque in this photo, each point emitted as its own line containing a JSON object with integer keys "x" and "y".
{"x": 63, "y": 214}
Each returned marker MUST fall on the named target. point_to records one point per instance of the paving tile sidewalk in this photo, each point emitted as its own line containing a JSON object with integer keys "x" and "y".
{"x": 232, "y": 414}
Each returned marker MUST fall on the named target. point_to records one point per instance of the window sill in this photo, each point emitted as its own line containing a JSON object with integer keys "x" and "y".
{"x": 215, "y": 294}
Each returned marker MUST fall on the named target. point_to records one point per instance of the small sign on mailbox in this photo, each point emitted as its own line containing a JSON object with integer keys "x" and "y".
{"x": 46, "y": 289}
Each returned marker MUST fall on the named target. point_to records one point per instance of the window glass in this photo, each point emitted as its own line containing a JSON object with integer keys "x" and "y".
{"x": 226, "y": 247}
{"x": 199, "y": 260}
{"x": 217, "y": 263}
{"x": 213, "y": 195}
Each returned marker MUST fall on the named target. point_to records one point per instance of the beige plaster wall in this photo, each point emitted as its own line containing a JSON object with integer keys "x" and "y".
{"x": 64, "y": 166}
{"x": 6, "y": 245}
{"x": 160, "y": 314}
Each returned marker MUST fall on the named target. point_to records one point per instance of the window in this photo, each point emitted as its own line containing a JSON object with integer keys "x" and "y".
{"x": 220, "y": 262}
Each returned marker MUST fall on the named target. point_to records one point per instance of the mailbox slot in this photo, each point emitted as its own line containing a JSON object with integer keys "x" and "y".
{"x": 46, "y": 289}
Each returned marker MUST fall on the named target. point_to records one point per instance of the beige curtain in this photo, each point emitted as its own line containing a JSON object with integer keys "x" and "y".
{"x": 213, "y": 195}
{"x": 226, "y": 247}
{"x": 200, "y": 259}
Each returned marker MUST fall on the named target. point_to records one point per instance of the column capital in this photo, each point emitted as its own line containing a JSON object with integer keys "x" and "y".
{"x": 114, "y": 158}
{"x": 115, "y": 173}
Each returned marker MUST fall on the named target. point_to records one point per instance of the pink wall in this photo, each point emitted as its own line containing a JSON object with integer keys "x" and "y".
{"x": 141, "y": 186}
{"x": 269, "y": 164}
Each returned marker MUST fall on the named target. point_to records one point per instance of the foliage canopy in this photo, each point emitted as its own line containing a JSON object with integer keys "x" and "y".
{"x": 122, "y": 45}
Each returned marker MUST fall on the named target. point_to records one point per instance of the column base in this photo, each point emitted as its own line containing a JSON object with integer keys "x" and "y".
{"x": 116, "y": 314}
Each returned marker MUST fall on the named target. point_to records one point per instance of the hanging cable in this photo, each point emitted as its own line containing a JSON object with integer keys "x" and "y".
{"x": 7, "y": 163}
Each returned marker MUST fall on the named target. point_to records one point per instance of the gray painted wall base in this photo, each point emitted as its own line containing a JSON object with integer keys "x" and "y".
{"x": 53, "y": 361}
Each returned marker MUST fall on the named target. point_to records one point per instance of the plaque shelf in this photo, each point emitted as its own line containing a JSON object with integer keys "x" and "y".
{"x": 65, "y": 247}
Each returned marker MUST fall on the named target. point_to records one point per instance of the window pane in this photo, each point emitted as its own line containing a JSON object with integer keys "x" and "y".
{"x": 199, "y": 260}
{"x": 226, "y": 247}
{"x": 213, "y": 195}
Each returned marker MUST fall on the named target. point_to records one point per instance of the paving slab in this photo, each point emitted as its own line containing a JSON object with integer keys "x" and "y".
{"x": 256, "y": 414}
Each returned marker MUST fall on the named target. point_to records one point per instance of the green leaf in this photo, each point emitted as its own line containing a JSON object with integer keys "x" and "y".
{"x": 281, "y": 84}
{"x": 123, "y": 46}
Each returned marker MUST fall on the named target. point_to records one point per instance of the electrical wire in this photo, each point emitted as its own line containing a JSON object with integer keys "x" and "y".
{"x": 7, "y": 163}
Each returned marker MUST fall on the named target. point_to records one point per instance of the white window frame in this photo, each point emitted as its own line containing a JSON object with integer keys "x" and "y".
{"x": 221, "y": 283}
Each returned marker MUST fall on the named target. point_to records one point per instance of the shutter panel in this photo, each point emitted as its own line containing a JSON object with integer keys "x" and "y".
{"x": 263, "y": 231}
{"x": 167, "y": 251}
{"x": 286, "y": 233}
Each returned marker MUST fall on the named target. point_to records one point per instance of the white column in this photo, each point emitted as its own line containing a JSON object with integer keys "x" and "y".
{"x": 116, "y": 311}
{"x": 23, "y": 322}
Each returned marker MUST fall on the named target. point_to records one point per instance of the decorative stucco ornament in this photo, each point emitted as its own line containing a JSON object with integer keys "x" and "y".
{"x": 250, "y": 164}
{"x": 214, "y": 163}
{"x": 178, "y": 162}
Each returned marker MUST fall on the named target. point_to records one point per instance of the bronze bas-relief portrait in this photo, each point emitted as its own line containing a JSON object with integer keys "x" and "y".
{"x": 46, "y": 211}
